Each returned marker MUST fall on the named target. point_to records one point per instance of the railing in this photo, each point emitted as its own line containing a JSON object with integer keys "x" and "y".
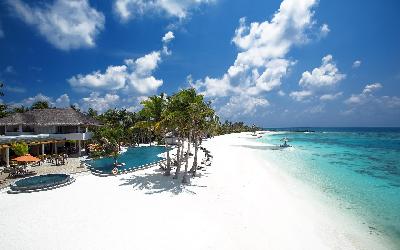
{"x": 67, "y": 136}
{"x": 18, "y": 133}
{"x": 74, "y": 136}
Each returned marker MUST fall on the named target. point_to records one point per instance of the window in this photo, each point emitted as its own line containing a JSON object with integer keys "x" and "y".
{"x": 26, "y": 128}
{"x": 12, "y": 128}
{"x": 59, "y": 130}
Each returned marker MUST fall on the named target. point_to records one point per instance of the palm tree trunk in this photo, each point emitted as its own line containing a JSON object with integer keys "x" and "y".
{"x": 194, "y": 166}
{"x": 184, "y": 179}
{"x": 168, "y": 170}
{"x": 183, "y": 149}
{"x": 150, "y": 138}
{"x": 179, "y": 158}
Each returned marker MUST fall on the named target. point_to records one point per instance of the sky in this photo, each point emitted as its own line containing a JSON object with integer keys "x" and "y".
{"x": 274, "y": 63}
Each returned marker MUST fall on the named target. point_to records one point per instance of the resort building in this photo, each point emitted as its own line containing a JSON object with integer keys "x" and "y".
{"x": 46, "y": 131}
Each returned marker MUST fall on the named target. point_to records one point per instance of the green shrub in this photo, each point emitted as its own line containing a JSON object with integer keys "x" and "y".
{"x": 20, "y": 148}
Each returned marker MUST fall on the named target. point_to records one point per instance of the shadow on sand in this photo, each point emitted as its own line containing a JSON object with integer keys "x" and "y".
{"x": 156, "y": 182}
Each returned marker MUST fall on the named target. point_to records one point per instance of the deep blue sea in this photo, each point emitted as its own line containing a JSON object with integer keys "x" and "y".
{"x": 359, "y": 168}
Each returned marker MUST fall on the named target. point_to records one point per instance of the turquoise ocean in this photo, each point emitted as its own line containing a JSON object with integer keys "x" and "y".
{"x": 357, "y": 168}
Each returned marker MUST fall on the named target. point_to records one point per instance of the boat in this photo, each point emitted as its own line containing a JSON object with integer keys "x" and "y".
{"x": 285, "y": 141}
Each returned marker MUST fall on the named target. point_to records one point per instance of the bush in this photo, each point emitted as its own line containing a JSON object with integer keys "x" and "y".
{"x": 20, "y": 148}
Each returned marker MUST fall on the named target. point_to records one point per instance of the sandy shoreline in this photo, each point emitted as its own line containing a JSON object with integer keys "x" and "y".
{"x": 240, "y": 202}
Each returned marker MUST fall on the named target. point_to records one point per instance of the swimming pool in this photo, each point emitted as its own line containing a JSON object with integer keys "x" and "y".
{"x": 41, "y": 182}
{"x": 133, "y": 158}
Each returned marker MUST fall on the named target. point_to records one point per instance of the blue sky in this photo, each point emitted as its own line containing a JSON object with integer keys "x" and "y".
{"x": 275, "y": 63}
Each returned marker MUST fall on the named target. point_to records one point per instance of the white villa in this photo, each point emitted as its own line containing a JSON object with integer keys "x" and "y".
{"x": 46, "y": 131}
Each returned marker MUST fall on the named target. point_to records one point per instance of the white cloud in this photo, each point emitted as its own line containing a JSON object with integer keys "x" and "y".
{"x": 324, "y": 30}
{"x": 260, "y": 64}
{"x": 169, "y": 36}
{"x": 324, "y": 76}
{"x": 356, "y": 63}
{"x": 134, "y": 76}
{"x": 365, "y": 96}
{"x": 391, "y": 101}
{"x": 215, "y": 86}
{"x": 355, "y": 99}
{"x": 242, "y": 105}
{"x": 129, "y": 9}
{"x": 281, "y": 93}
{"x": 39, "y": 97}
{"x": 300, "y": 95}
{"x": 315, "y": 109}
{"x": 62, "y": 101}
{"x": 100, "y": 103}
{"x": 14, "y": 89}
{"x": 371, "y": 88}
{"x": 65, "y": 24}
{"x": 145, "y": 65}
{"x": 330, "y": 97}
{"x": 145, "y": 85}
{"x": 9, "y": 70}
{"x": 271, "y": 78}
{"x": 113, "y": 78}
{"x": 367, "y": 102}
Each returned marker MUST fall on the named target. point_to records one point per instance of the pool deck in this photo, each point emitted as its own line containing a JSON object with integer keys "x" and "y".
{"x": 72, "y": 166}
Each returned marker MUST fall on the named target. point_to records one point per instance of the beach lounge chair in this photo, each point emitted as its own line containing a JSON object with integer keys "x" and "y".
{"x": 163, "y": 166}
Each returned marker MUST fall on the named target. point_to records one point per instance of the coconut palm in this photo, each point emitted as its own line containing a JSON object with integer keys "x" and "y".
{"x": 203, "y": 120}
{"x": 152, "y": 111}
{"x": 177, "y": 116}
{"x": 40, "y": 105}
{"x": 187, "y": 111}
{"x": 173, "y": 120}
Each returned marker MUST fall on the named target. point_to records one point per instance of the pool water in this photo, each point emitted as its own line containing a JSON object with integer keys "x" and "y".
{"x": 134, "y": 157}
{"x": 40, "y": 182}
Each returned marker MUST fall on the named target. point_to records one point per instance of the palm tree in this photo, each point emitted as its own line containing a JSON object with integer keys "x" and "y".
{"x": 3, "y": 110}
{"x": 1, "y": 87}
{"x": 110, "y": 138}
{"x": 92, "y": 113}
{"x": 40, "y": 105}
{"x": 203, "y": 118}
{"x": 176, "y": 119}
{"x": 20, "y": 109}
{"x": 187, "y": 111}
{"x": 152, "y": 111}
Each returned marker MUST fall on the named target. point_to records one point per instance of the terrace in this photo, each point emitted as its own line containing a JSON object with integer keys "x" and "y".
{"x": 46, "y": 131}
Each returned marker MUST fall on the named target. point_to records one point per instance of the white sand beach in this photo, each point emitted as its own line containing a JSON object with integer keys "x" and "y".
{"x": 240, "y": 202}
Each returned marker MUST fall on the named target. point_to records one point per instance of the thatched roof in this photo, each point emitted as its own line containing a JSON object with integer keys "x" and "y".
{"x": 49, "y": 117}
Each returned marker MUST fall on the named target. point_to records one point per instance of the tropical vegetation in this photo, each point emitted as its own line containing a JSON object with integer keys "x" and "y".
{"x": 185, "y": 115}
{"x": 20, "y": 148}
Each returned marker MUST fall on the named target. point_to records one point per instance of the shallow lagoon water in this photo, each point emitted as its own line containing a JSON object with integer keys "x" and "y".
{"x": 358, "y": 168}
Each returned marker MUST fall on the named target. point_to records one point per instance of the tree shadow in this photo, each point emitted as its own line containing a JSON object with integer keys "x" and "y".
{"x": 156, "y": 182}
